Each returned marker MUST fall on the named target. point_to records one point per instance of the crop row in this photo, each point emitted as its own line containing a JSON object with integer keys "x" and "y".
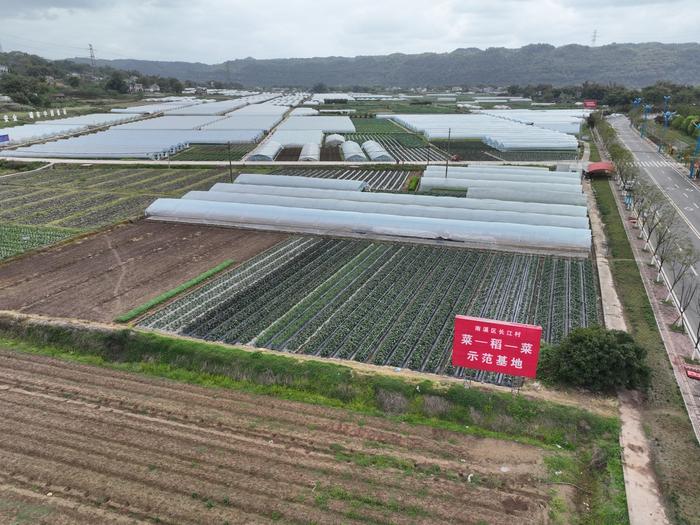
{"x": 376, "y": 179}
{"x": 15, "y": 239}
{"x": 388, "y": 304}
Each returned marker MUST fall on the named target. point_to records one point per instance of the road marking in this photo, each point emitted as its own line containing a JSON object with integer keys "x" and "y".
{"x": 696, "y": 205}
{"x": 695, "y": 273}
{"x": 685, "y": 195}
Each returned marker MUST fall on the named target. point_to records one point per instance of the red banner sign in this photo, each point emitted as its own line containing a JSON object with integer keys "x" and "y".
{"x": 590, "y": 103}
{"x": 496, "y": 346}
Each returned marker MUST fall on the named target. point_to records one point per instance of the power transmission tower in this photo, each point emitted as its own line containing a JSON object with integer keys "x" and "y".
{"x": 92, "y": 57}
{"x": 594, "y": 37}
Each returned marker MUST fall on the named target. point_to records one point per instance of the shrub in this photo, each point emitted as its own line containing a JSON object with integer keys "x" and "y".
{"x": 596, "y": 359}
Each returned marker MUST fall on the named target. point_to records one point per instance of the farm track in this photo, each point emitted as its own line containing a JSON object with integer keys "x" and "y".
{"x": 198, "y": 454}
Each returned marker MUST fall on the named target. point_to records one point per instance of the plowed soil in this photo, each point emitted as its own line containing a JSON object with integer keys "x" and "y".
{"x": 104, "y": 275}
{"x": 81, "y": 444}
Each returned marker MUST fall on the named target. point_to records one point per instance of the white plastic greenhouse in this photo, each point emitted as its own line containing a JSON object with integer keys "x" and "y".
{"x": 436, "y": 182}
{"x": 547, "y": 197}
{"x": 310, "y": 153}
{"x": 334, "y": 140}
{"x": 407, "y": 209}
{"x": 496, "y": 177}
{"x": 376, "y": 152}
{"x": 400, "y": 198}
{"x": 266, "y": 152}
{"x": 336, "y": 222}
{"x": 325, "y": 124}
{"x": 502, "y": 134}
{"x": 352, "y": 152}
{"x": 290, "y": 138}
{"x": 300, "y": 182}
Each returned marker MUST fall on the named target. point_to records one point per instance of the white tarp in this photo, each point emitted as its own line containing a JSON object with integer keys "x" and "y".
{"x": 403, "y": 198}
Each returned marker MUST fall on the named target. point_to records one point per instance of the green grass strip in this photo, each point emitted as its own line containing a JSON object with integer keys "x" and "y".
{"x": 136, "y": 312}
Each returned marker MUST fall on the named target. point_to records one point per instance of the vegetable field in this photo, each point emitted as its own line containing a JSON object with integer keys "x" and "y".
{"x": 214, "y": 152}
{"x": 69, "y": 199}
{"x": 381, "y": 303}
{"x": 15, "y": 239}
{"x": 392, "y": 180}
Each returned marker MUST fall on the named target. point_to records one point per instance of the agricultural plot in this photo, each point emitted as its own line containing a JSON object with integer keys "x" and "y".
{"x": 404, "y": 147}
{"x": 68, "y": 199}
{"x": 381, "y": 303}
{"x": 468, "y": 149}
{"x": 214, "y": 152}
{"x": 386, "y": 180}
{"x": 16, "y": 239}
{"x": 116, "y": 270}
{"x": 244, "y": 458}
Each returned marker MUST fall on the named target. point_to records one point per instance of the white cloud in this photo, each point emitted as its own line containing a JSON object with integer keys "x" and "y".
{"x": 215, "y": 30}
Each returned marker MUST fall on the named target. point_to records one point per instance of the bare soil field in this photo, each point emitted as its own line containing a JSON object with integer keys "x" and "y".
{"x": 82, "y": 444}
{"x": 104, "y": 275}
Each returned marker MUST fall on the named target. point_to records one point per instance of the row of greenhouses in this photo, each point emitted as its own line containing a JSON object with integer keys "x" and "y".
{"x": 334, "y": 207}
{"x": 47, "y": 129}
{"x": 500, "y": 133}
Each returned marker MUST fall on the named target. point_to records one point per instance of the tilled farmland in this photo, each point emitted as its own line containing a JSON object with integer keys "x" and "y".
{"x": 104, "y": 275}
{"x": 381, "y": 303}
{"x": 89, "y": 445}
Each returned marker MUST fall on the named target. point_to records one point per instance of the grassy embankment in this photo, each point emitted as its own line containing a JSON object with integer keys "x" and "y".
{"x": 676, "y": 454}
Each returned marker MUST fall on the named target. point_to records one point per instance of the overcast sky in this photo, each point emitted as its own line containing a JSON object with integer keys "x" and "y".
{"x": 212, "y": 31}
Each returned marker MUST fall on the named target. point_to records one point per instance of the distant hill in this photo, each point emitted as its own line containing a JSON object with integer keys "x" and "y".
{"x": 634, "y": 65}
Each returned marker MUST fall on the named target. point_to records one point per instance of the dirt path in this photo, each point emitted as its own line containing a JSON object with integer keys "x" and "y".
{"x": 89, "y": 445}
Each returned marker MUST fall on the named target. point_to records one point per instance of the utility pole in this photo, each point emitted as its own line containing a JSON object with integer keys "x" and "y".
{"x": 447, "y": 160}
{"x": 230, "y": 168}
{"x": 92, "y": 57}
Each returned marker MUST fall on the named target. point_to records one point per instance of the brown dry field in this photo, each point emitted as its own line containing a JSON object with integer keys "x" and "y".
{"x": 103, "y": 275}
{"x": 82, "y": 444}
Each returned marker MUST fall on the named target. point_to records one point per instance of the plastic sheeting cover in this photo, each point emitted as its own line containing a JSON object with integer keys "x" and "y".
{"x": 435, "y": 182}
{"x": 552, "y": 197}
{"x": 334, "y": 140}
{"x": 352, "y": 152}
{"x": 376, "y": 151}
{"x": 345, "y": 222}
{"x": 400, "y": 198}
{"x": 266, "y": 152}
{"x": 310, "y": 153}
{"x": 410, "y": 210}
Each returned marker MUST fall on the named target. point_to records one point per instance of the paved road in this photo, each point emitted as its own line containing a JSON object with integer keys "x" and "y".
{"x": 673, "y": 180}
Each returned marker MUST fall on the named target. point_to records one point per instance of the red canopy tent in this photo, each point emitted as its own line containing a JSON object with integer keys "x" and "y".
{"x": 600, "y": 168}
